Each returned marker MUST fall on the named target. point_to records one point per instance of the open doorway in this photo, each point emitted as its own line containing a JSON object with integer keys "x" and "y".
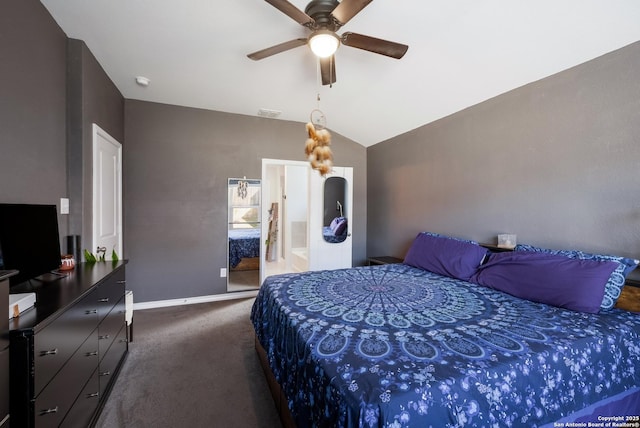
{"x": 301, "y": 208}
{"x": 285, "y": 194}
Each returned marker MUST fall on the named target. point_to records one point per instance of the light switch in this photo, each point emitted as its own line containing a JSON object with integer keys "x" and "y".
{"x": 64, "y": 205}
{"x": 223, "y": 272}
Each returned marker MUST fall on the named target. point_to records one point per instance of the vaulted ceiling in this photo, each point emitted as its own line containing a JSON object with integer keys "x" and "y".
{"x": 461, "y": 52}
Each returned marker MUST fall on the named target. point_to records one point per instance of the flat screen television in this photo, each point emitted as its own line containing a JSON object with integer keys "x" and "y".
{"x": 29, "y": 240}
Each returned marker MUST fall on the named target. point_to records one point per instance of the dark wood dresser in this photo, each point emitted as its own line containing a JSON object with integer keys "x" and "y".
{"x": 4, "y": 348}
{"x": 65, "y": 352}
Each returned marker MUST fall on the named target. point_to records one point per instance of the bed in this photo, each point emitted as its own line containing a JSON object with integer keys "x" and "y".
{"x": 243, "y": 243}
{"x": 401, "y": 345}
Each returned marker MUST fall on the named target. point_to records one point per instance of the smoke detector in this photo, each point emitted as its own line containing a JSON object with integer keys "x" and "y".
{"x": 142, "y": 81}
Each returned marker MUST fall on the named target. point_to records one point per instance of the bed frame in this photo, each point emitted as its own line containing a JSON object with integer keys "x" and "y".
{"x": 629, "y": 300}
{"x": 276, "y": 392}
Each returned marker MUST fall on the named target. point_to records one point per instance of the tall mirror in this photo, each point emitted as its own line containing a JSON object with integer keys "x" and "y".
{"x": 243, "y": 233}
{"x": 335, "y": 227}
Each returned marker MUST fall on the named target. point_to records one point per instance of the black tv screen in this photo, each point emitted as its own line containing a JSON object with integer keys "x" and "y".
{"x": 29, "y": 240}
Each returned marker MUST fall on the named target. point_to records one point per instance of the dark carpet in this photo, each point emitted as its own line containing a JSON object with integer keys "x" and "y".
{"x": 191, "y": 366}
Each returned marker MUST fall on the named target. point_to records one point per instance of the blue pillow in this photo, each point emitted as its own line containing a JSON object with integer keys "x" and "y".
{"x": 446, "y": 256}
{"x": 438, "y": 235}
{"x": 615, "y": 283}
{"x": 557, "y": 280}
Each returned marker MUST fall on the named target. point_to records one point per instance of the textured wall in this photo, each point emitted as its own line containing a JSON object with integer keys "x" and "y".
{"x": 32, "y": 106}
{"x": 556, "y": 162}
{"x": 177, "y": 161}
{"x": 91, "y": 98}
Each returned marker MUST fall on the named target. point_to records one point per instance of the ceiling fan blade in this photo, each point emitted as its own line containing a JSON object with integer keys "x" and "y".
{"x": 277, "y": 49}
{"x": 291, "y": 11}
{"x": 328, "y": 70}
{"x": 372, "y": 44}
{"x": 347, "y": 9}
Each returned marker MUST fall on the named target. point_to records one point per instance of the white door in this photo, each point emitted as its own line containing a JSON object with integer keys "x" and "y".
{"x": 107, "y": 193}
{"x": 323, "y": 253}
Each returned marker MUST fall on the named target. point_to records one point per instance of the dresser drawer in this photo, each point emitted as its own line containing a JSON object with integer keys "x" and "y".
{"x": 57, "y": 342}
{"x": 53, "y": 403}
{"x": 110, "y": 292}
{"x": 85, "y": 406}
{"x": 109, "y": 364}
{"x": 110, "y": 326}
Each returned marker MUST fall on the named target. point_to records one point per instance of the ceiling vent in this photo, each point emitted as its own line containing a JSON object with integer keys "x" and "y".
{"x": 265, "y": 112}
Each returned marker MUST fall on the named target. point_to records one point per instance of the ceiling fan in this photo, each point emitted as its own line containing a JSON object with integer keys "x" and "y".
{"x": 324, "y": 18}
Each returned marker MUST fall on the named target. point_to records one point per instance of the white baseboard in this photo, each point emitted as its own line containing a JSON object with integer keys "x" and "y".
{"x": 194, "y": 300}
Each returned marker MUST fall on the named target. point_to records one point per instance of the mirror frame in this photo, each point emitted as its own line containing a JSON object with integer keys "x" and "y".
{"x": 245, "y": 248}
{"x": 335, "y": 227}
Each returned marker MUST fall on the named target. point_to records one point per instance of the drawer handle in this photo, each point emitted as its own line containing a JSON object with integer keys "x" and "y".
{"x": 104, "y": 300}
{"x": 95, "y": 394}
{"x": 122, "y": 281}
{"x": 91, "y": 312}
{"x": 106, "y": 336}
{"x": 51, "y": 352}
{"x": 91, "y": 354}
{"x": 47, "y": 411}
{"x": 107, "y": 373}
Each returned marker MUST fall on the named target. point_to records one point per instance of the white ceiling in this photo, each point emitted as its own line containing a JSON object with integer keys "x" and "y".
{"x": 461, "y": 52}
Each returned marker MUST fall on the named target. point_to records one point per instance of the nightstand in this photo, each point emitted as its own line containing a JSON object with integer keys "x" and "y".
{"x": 383, "y": 260}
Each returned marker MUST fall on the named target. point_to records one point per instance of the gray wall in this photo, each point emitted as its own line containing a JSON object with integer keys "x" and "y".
{"x": 91, "y": 98}
{"x": 32, "y": 106}
{"x": 177, "y": 161}
{"x": 51, "y": 90}
{"x": 556, "y": 162}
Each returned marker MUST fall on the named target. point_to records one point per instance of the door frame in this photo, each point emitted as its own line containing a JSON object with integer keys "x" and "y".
{"x": 267, "y": 185}
{"x": 99, "y": 132}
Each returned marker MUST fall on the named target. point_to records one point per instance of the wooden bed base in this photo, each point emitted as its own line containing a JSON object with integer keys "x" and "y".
{"x": 276, "y": 392}
{"x": 630, "y": 297}
{"x": 629, "y": 300}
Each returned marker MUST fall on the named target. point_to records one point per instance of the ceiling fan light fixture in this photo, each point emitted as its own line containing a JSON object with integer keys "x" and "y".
{"x": 324, "y": 43}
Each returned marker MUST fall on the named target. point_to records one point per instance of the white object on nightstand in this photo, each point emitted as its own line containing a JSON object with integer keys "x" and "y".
{"x": 506, "y": 240}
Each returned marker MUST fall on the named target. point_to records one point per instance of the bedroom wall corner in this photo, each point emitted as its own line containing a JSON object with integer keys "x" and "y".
{"x": 91, "y": 98}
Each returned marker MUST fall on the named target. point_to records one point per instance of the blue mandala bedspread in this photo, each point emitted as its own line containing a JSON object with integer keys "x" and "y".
{"x": 243, "y": 243}
{"x": 396, "y": 346}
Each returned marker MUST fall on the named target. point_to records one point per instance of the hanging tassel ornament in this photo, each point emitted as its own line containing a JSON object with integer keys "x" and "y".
{"x": 317, "y": 149}
{"x": 317, "y": 145}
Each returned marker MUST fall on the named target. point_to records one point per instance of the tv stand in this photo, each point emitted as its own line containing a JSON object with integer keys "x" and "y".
{"x": 66, "y": 352}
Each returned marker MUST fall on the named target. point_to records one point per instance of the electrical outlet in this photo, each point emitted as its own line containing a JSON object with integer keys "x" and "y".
{"x": 223, "y": 272}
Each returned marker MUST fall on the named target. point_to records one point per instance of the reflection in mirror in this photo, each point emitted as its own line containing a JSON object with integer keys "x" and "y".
{"x": 335, "y": 225}
{"x": 243, "y": 269}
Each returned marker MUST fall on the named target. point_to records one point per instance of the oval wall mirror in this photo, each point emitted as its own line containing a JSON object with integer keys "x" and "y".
{"x": 335, "y": 226}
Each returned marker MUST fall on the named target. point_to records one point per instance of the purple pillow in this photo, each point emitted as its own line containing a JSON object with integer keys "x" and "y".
{"x": 445, "y": 256}
{"x": 547, "y": 278}
{"x": 334, "y": 224}
{"x": 616, "y": 280}
{"x": 341, "y": 228}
